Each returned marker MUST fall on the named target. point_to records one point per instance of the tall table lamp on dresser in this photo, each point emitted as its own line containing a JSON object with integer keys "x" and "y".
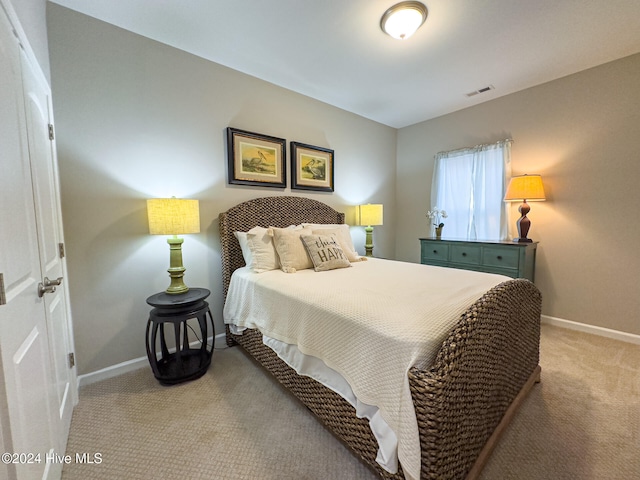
{"x": 369, "y": 215}
{"x": 174, "y": 216}
{"x": 523, "y": 188}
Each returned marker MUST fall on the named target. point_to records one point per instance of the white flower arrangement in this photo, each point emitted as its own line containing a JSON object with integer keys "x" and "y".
{"x": 437, "y": 215}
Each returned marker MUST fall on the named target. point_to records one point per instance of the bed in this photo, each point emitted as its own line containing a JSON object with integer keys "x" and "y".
{"x": 462, "y": 401}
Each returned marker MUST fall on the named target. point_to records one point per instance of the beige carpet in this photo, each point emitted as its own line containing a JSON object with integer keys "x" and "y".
{"x": 582, "y": 422}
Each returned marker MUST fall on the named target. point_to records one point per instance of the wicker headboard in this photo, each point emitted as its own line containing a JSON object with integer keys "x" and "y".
{"x": 266, "y": 212}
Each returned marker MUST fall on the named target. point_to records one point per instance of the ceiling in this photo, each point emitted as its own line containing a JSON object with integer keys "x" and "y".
{"x": 334, "y": 50}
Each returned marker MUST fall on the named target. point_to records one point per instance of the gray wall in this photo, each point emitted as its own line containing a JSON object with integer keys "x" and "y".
{"x": 582, "y": 134}
{"x": 137, "y": 119}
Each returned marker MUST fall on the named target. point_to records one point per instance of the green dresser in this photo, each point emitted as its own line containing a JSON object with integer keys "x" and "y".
{"x": 517, "y": 260}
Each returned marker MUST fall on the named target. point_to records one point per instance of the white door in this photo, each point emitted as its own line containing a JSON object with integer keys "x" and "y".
{"x": 47, "y": 202}
{"x": 33, "y": 419}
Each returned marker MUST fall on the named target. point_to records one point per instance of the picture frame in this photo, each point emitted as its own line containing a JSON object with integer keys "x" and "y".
{"x": 255, "y": 159}
{"x": 311, "y": 167}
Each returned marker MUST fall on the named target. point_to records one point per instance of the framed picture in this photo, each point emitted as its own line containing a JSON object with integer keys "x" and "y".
{"x": 256, "y": 160}
{"x": 311, "y": 167}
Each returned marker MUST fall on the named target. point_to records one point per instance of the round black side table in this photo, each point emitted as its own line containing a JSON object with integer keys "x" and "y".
{"x": 187, "y": 362}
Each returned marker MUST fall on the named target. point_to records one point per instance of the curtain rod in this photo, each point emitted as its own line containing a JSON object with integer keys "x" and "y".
{"x": 476, "y": 147}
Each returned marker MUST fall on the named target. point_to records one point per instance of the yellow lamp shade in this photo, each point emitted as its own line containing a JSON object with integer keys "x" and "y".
{"x": 370, "y": 214}
{"x": 173, "y": 216}
{"x": 525, "y": 187}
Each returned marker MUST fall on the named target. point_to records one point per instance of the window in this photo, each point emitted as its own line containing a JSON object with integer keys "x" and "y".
{"x": 469, "y": 184}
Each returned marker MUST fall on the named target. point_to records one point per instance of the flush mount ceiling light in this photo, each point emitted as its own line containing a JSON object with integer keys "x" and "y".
{"x": 403, "y": 19}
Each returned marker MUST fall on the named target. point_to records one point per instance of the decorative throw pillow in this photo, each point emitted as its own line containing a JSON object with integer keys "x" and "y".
{"x": 263, "y": 252}
{"x": 291, "y": 252}
{"x": 244, "y": 246}
{"x": 343, "y": 234}
{"x": 325, "y": 252}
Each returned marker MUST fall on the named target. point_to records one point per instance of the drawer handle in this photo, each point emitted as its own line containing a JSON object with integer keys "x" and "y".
{"x": 435, "y": 251}
{"x": 464, "y": 254}
{"x": 499, "y": 257}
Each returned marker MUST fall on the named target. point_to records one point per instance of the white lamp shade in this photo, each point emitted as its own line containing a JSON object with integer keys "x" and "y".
{"x": 370, "y": 215}
{"x": 402, "y": 20}
{"x": 525, "y": 187}
{"x": 173, "y": 216}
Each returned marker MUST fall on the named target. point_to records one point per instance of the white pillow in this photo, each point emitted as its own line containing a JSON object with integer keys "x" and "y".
{"x": 263, "y": 252}
{"x": 342, "y": 234}
{"x": 291, "y": 252}
{"x": 244, "y": 246}
{"x": 325, "y": 252}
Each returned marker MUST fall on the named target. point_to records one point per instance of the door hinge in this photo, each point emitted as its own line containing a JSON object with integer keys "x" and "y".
{"x": 3, "y": 295}
{"x": 72, "y": 360}
{"x": 51, "y": 131}
{"x": 61, "y": 249}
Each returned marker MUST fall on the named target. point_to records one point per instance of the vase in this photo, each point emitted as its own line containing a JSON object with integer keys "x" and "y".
{"x": 439, "y": 232}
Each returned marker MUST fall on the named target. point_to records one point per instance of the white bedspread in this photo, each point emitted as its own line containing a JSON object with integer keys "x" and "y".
{"x": 370, "y": 323}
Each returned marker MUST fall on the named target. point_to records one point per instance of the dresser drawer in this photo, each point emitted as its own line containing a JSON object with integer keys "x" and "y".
{"x": 516, "y": 260}
{"x": 435, "y": 251}
{"x": 469, "y": 254}
{"x": 501, "y": 257}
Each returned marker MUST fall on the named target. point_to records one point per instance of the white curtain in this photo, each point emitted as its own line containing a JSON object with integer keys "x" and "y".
{"x": 469, "y": 184}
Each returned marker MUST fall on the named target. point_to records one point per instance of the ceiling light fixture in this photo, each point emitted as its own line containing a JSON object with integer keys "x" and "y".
{"x": 403, "y": 19}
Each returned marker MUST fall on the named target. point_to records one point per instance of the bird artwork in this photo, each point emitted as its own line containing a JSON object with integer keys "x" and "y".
{"x": 257, "y": 161}
{"x": 315, "y": 168}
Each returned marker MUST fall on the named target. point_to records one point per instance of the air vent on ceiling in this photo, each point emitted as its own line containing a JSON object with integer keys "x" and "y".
{"x": 481, "y": 90}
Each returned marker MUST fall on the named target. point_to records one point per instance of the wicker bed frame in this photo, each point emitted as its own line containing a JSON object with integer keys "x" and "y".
{"x": 482, "y": 372}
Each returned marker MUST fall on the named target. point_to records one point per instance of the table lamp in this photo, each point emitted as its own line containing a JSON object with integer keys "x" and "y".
{"x": 523, "y": 188}
{"x": 369, "y": 215}
{"x": 174, "y": 216}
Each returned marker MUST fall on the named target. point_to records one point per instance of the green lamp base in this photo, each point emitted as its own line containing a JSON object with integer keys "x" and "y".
{"x": 176, "y": 270}
{"x": 368, "y": 245}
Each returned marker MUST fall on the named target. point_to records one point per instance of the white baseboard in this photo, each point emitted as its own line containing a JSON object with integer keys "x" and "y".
{"x": 592, "y": 329}
{"x": 131, "y": 365}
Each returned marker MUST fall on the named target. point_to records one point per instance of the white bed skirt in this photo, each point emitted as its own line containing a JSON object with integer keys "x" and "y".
{"x": 315, "y": 368}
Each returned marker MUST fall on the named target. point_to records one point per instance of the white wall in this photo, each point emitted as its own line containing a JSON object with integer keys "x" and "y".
{"x": 582, "y": 134}
{"x": 33, "y": 20}
{"x": 137, "y": 119}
